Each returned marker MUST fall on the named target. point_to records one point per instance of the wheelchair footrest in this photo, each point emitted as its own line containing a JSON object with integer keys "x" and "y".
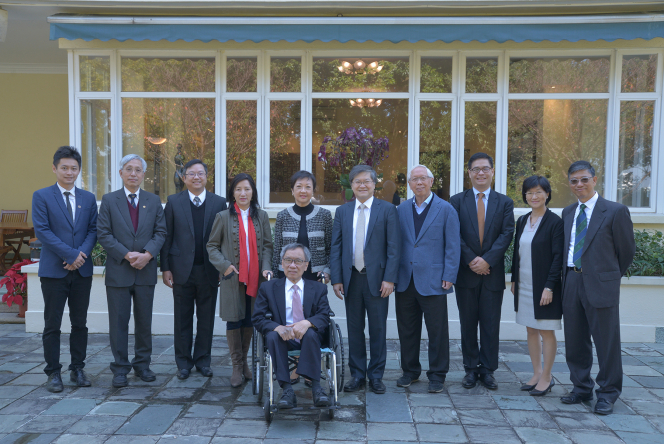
{"x": 275, "y": 409}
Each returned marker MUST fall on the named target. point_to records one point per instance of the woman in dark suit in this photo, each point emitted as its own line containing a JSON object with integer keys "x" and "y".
{"x": 536, "y": 280}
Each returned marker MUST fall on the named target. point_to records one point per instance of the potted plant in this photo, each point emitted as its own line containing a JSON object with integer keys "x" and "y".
{"x": 17, "y": 287}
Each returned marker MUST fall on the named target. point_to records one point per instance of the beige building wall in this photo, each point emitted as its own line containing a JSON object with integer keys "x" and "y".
{"x": 34, "y": 122}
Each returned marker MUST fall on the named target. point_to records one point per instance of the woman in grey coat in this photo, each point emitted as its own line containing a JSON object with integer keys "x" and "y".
{"x": 240, "y": 247}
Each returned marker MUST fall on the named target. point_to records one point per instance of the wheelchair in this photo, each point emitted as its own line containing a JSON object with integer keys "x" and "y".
{"x": 332, "y": 369}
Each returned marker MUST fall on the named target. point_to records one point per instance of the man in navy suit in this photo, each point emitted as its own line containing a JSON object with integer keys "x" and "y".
{"x": 364, "y": 261}
{"x": 301, "y": 314}
{"x": 430, "y": 254}
{"x": 487, "y": 228}
{"x": 65, "y": 221}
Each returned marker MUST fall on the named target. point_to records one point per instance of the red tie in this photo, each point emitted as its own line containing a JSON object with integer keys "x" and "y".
{"x": 298, "y": 314}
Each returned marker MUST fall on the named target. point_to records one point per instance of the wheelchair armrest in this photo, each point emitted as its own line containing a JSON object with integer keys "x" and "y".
{"x": 268, "y": 315}
{"x": 331, "y": 314}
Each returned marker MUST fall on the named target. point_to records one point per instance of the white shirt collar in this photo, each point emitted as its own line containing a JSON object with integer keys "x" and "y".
{"x": 127, "y": 193}
{"x": 63, "y": 190}
{"x": 300, "y": 285}
{"x": 201, "y": 196}
{"x": 367, "y": 203}
{"x": 590, "y": 204}
{"x": 426, "y": 202}
{"x": 486, "y": 193}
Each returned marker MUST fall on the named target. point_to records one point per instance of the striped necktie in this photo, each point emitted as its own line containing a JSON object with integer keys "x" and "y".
{"x": 580, "y": 236}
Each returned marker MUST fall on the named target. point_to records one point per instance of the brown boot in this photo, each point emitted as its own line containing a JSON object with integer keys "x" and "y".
{"x": 247, "y": 333}
{"x": 234, "y": 338}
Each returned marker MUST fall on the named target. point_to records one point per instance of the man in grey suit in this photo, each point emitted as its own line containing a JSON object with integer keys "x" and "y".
{"x": 186, "y": 268}
{"x": 599, "y": 243}
{"x": 364, "y": 261}
{"x": 132, "y": 229}
{"x": 430, "y": 255}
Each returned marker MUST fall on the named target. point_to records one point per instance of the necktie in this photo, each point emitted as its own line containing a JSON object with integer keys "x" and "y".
{"x": 359, "y": 239}
{"x": 133, "y": 201}
{"x": 69, "y": 208}
{"x": 298, "y": 313}
{"x": 480, "y": 215}
{"x": 197, "y": 201}
{"x": 580, "y": 236}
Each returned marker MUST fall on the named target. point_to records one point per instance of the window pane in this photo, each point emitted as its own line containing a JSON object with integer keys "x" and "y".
{"x": 167, "y": 75}
{"x": 241, "y": 74}
{"x": 367, "y": 74}
{"x": 482, "y": 74}
{"x": 479, "y": 133}
{"x": 546, "y": 136}
{"x": 558, "y": 75}
{"x": 168, "y": 133}
{"x": 95, "y": 73}
{"x": 338, "y": 118}
{"x": 285, "y": 118}
{"x": 436, "y": 75}
{"x": 635, "y": 156}
{"x": 285, "y": 74}
{"x": 96, "y": 146}
{"x": 436, "y": 143}
{"x": 240, "y": 139}
{"x": 639, "y": 73}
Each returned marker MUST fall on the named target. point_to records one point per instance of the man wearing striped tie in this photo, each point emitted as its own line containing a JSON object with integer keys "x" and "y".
{"x": 599, "y": 238}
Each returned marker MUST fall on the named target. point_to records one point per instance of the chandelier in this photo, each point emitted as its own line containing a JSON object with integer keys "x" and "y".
{"x": 369, "y": 103}
{"x": 359, "y": 67}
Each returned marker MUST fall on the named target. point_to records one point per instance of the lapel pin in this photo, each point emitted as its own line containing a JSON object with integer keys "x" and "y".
{"x": 143, "y": 206}
{"x": 79, "y": 206}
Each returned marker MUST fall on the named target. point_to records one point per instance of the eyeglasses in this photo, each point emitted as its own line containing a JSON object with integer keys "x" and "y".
{"x": 536, "y": 193}
{"x": 419, "y": 179}
{"x": 476, "y": 170}
{"x": 199, "y": 174}
{"x": 289, "y": 260}
{"x": 363, "y": 182}
{"x": 130, "y": 170}
{"x": 584, "y": 180}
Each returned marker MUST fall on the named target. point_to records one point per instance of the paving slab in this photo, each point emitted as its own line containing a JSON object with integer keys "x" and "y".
{"x": 32, "y": 438}
{"x": 289, "y": 430}
{"x": 341, "y": 431}
{"x": 529, "y": 418}
{"x": 118, "y": 408}
{"x": 97, "y": 425}
{"x": 195, "y": 426}
{"x": 511, "y": 402}
{"x": 628, "y": 423}
{"x": 640, "y": 438}
{"x": 482, "y": 417}
{"x": 49, "y": 424}
{"x": 441, "y": 433}
{"x": 242, "y": 428}
{"x": 77, "y": 407}
{"x": 576, "y": 421}
{"x": 10, "y": 423}
{"x": 540, "y": 436}
{"x": 491, "y": 435}
{"x": 152, "y": 420}
{"x": 215, "y": 411}
{"x": 388, "y": 407}
{"x": 435, "y": 415}
{"x": 175, "y": 439}
{"x": 391, "y": 432}
{"x": 81, "y": 439}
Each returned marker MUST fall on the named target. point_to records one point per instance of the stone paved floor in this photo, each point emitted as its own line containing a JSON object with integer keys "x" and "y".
{"x": 202, "y": 410}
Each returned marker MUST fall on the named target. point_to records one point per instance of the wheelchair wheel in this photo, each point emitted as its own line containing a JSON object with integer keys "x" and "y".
{"x": 337, "y": 345}
{"x": 257, "y": 364}
{"x": 266, "y": 410}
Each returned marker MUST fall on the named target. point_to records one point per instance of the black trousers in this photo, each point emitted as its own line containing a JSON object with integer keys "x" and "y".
{"x": 119, "y": 311}
{"x": 582, "y": 321}
{"x": 359, "y": 302}
{"x": 410, "y": 306}
{"x": 74, "y": 290}
{"x": 196, "y": 292}
{"x": 309, "y": 363}
{"x": 481, "y": 306}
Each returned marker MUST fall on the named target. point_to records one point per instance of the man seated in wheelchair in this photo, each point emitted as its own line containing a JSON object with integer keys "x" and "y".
{"x": 300, "y": 315}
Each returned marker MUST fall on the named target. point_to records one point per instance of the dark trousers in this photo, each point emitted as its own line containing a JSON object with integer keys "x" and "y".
{"x": 410, "y": 306}
{"x": 197, "y": 292}
{"x": 359, "y": 302}
{"x": 119, "y": 311}
{"x": 309, "y": 363}
{"x": 74, "y": 290}
{"x": 582, "y": 321}
{"x": 481, "y": 306}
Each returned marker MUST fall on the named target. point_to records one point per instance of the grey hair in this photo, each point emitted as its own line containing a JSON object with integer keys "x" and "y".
{"x": 359, "y": 169}
{"x": 580, "y": 165}
{"x": 429, "y": 173}
{"x": 129, "y": 157}
{"x": 295, "y": 246}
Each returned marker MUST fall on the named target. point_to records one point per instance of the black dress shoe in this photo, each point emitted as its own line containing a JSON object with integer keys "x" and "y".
{"x": 320, "y": 397}
{"x": 205, "y": 371}
{"x": 78, "y": 377}
{"x": 287, "y": 400}
{"x": 120, "y": 380}
{"x": 470, "y": 380}
{"x": 527, "y": 387}
{"x": 354, "y": 385}
{"x": 146, "y": 374}
{"x": 54, "y": 384}
{"x": 576, "y": 398}
{"x": 183, "y": 373}
{"x": 377, "y": 386}
{"x": 535, "y": 392}
{"x": 603, "y": 406}
{"x": 488, "y": 381}
{"x": 436, "y": 386}
{"x": 405, "y": 381}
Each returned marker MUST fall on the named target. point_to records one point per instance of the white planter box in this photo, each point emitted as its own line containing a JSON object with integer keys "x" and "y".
{"x": 641, "y": 310}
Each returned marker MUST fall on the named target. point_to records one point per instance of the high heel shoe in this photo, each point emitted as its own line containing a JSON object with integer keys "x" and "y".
{"x": 535, "y": 392}
{"x": 527, "y": 387}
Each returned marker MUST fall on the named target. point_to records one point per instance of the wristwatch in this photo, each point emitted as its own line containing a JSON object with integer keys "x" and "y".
{"x": 548, "y": 289}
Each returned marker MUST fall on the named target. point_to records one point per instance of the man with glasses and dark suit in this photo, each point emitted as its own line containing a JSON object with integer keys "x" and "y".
{"x": 186, "y": 268}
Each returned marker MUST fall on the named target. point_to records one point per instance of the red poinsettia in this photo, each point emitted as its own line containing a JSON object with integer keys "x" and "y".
{"x": 16, "y": 284}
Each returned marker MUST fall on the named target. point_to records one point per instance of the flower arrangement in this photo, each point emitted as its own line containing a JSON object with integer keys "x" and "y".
{"x": 354, "y": 146}
{"x": 16, "y": 284}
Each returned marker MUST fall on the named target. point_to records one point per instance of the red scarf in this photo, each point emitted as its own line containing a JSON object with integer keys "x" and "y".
{"x": 249, "y": 272}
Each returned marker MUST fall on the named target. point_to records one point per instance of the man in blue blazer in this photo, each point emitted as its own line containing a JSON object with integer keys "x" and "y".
{"x": 430, "y": 254}
{"x": 65, "y": 221}
{"x": 364, "y": 261}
